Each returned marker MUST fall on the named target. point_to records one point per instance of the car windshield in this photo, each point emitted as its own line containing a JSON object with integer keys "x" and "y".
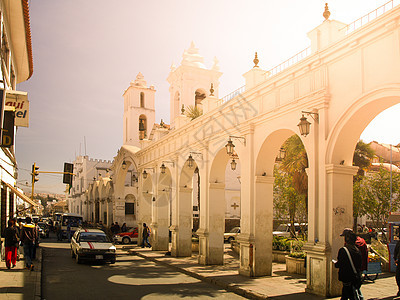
{"x": 93, "y": 237}
{"x": 234, "y": 230}
{"x": 282, "y": 227}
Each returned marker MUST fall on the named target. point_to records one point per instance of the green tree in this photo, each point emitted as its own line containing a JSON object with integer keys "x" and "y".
{"x": 372, "y": 194}
{"x": 291, "y": 183}
{"x": 363, "y": 154}
{"x": 193, "y": 112}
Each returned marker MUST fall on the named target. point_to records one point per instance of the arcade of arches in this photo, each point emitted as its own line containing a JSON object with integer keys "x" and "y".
{"x": 347, "y": 80}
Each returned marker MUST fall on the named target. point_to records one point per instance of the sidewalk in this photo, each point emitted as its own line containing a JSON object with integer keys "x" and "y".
{"x": 19, "y": 283}
{"x": 281, "y": 285}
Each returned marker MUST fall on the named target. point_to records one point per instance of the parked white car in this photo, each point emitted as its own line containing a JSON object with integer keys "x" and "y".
{"x": 92, "y": 245}
{"x": 231, "y": 235}
{"x": 284, "y": 229}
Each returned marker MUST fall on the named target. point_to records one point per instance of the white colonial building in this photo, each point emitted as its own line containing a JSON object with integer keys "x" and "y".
{"x": 340, "y": 83}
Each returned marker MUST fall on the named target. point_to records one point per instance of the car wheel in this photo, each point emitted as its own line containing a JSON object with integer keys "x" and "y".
{"x": 72, "y": 253}
{"x": 78, "y": 259}
{"x": 126, "y": 240}
{"x": 230, "y": 239}
{"x": 112, "y": 261}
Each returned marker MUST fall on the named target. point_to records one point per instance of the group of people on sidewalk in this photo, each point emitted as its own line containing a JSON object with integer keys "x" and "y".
{"x": 26, "y": 236}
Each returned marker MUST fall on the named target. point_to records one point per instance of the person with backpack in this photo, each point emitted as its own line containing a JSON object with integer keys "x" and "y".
{"x": 145, "y": 236}
{"x": 349, "y": 264}
{"x": 28, "y": 238}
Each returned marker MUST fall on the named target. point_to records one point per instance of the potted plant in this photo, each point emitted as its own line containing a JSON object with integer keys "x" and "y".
{"x": 295, "y": 263}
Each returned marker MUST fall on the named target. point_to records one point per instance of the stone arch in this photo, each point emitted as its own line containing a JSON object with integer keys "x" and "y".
{"x": 348, "y": 128}
{"x": 339, "y": 171}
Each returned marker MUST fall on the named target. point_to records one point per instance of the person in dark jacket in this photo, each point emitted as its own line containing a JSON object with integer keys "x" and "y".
{"x": 346, "y": 272}
{"x": 28, "y": 238}
{"x": 396, "y": 257}
{"x": 362, "y": 246}
{"x": 145, "y": 236}
{"x": 11, "y": 244}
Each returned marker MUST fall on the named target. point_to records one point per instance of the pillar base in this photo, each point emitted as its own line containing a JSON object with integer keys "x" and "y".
{"x": 209, "y": 255}
{"x": 246, "y": 255}
{"x": 322, "y": 276}
{"x": 159, "y": 238}
{"x": 181, "y": 245}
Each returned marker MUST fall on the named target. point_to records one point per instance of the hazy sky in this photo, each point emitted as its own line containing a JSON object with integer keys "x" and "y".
{"x": 85, "y": 53}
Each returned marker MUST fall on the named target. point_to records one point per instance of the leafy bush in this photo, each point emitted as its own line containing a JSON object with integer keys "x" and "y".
{"x": 297, "y": 255}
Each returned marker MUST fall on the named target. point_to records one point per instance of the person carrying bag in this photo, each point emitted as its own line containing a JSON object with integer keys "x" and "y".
{"x": 349, "y": 264}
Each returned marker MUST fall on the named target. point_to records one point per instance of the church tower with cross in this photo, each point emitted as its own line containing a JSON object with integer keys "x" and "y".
{"x": 139, "y": 111}
{"x": 191, "y": 82}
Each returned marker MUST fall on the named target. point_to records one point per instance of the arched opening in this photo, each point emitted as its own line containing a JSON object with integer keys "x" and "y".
{"x": 182, "y": 217}
{"x": 199, "y": 96}
{"x": 142, "y": 102}
{"x": 222, "y": 209}
{"x": 347, "y": 151}
{"x": 277, "y": 198}
{"x": 130, "y": 217}
{"x": 142, "y": 127}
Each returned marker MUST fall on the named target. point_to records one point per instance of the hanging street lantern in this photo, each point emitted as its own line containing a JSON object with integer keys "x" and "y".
{"x": 230, "y": 147}
{"x": 163, "y": 168}
{"x": 233, "y": 164}
{"x": 304, "y": 126}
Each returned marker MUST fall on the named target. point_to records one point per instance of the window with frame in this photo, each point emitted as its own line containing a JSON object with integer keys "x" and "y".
{"x": 129, "y": 208}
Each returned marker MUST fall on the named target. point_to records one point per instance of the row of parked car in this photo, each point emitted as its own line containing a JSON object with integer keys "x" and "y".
{"x": 282, "y": 230}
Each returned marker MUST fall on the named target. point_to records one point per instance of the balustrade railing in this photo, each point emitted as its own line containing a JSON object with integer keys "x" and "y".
{"x": 306, "y": 52}
{"x": 371, "y": 16}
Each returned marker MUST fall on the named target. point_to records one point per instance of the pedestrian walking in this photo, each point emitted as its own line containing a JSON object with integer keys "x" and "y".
{"x": 117, "y": 228}
{"x": 11, "y": 244}
{"x": 58, "y": 231}
{"x": 28, "y": 237}
{"x": 145, "y": 236}
{"x": 349, "y": 264}
{"x": 362, "y": 246}
{"x": 36, "y": 241}
{"x": 69, "y": 231}
{"x": 124, "y": 228}
{"x": 396, "y": 257}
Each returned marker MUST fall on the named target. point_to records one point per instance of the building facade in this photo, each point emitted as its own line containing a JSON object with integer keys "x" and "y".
{"x": 335, "y": 88}
{"x": 16, "y": 67}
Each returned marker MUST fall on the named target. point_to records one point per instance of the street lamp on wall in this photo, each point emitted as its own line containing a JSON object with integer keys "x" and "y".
{"x": 124, "y": 165}
{"x": 190, "y": 159}
{"x": 163, "y": 167}
{"x": 304, "y": 125}
{"x": 144, "y": 174}
{"x": 230, "y": 147}
{"x": 233, "y": 164}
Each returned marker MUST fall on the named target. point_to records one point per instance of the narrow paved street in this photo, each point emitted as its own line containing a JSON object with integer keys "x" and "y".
{"x": 130, "y": 277}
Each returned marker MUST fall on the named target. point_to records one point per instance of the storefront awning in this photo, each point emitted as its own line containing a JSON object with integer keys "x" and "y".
{"x": 19, "y": 194}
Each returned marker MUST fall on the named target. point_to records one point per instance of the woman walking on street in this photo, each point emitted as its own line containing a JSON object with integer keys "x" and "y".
{"x": 28, "y": 238}
{"x": 11, "y": 244}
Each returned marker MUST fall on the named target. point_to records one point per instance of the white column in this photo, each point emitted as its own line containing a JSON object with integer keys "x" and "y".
{"x": 160, "y": 223}
{"x": 336, "y": 212}
{"x": 263, "y": 216}
{"x": 181, "y": 227}
{"x": 211, "y": 233}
